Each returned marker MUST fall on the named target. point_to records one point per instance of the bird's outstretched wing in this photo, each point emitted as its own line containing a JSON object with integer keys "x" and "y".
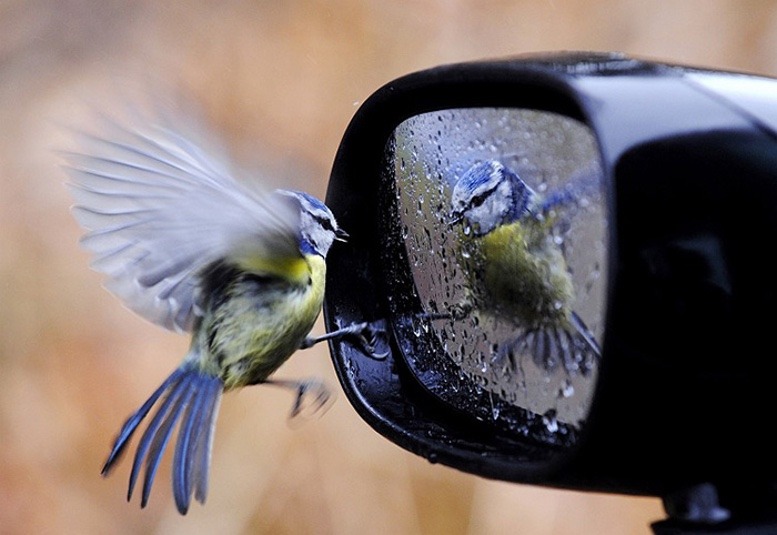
{"x": 160, "y": 203}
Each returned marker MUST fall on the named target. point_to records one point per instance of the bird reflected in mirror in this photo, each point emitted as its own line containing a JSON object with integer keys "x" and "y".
{"x": 515, "y": 266}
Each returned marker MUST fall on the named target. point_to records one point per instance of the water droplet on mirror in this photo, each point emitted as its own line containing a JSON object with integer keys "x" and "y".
{"x": 567, "y": 390}
{"x": 416, "y": 330}
{"x": 495, "y": 411}
{"x": 550, "y": 421}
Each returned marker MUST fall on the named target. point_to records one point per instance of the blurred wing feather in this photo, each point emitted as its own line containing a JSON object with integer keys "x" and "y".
{"x": 159, "y": 206}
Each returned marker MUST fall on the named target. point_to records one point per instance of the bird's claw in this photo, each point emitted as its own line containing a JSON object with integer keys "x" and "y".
{"x": 312, "y": 396}
{"x": 461, "y": 310}
{"x": 456, "y": 313}
{"x": 368, "y": 336}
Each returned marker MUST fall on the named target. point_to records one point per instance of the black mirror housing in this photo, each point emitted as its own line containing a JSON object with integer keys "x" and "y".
{"x": 684, "y": 392}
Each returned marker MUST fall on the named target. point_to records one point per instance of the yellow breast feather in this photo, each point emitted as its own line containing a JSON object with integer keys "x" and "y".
{"x": 295, "y": 269}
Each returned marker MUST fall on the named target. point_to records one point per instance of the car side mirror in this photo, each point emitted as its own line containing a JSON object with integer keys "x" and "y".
{"x": 625, "y": 344}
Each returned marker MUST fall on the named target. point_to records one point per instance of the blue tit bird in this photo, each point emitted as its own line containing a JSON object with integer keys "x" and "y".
{"x": 189, "y": 247}
{"x": 515, "y": 268}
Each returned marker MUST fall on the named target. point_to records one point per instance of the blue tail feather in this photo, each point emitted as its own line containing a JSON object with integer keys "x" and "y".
{"x": 133, "y": 421}
{"x": 183, "y": 457}
{"x": 151, "y": 431}
{"x": 192, "y": 397}
{"x": 162, "y": 436}
{"x": 204, "y": 441}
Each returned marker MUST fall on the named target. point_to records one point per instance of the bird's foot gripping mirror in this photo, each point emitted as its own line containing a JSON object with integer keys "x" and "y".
{"x": 561, "y": 249}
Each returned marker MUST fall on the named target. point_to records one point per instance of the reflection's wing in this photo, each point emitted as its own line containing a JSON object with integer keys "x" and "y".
{"x": 159, "y": 206}
{"x": 582, "y": 188}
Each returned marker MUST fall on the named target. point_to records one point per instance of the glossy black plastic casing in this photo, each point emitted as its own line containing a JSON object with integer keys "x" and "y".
{"x": 686, "y": 389}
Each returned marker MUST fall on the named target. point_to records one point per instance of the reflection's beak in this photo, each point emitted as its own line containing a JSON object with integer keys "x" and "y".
{"x": 341, "y": 235}
{"x": 454, "y": 217}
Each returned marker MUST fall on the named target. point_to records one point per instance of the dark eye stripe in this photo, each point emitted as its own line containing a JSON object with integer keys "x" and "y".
{"x": 477, "y": 200}
{"x": 326, "y": 223}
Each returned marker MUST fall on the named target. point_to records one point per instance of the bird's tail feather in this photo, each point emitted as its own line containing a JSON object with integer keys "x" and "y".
{"x": 188, "y": 396}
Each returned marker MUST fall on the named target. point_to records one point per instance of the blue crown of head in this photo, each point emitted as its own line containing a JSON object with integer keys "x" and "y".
{"x": 482, "y": 173}
{"x": 313, "y": 239}
{"x": 314, "y": 201}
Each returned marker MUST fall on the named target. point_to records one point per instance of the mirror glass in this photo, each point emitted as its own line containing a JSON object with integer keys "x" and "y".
{"x": 500, "y": 219}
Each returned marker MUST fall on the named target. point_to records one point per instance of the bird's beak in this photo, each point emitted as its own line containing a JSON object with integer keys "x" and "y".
{"x": 341, "y": 235}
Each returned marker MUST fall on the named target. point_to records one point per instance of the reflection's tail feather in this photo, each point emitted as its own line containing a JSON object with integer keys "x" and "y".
{"x": 554, "y": 346}
{"x": 586, "y": 334}
{"x": 193, "y": 398}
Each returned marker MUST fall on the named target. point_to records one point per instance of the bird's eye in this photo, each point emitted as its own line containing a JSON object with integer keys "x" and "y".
{"x": 326, "y": 223}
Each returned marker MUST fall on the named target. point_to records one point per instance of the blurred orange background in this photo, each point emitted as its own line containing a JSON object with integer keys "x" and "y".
{"x": 280, "y": 81}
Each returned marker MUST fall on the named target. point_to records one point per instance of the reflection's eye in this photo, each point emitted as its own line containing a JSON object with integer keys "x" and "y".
{"x": 509, "y": 319}
{"x": 478, "y": 200}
